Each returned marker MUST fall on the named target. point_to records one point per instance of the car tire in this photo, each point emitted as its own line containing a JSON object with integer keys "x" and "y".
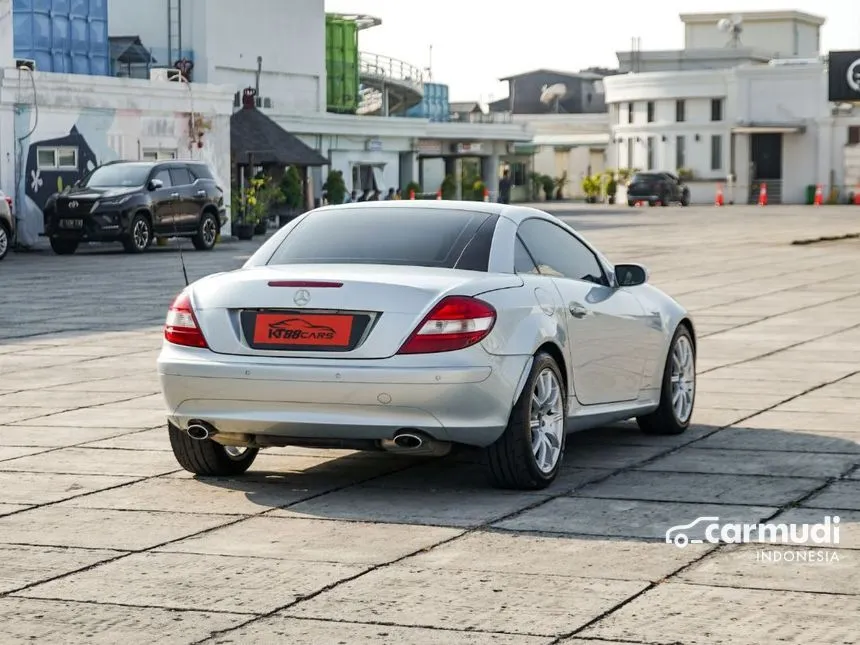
{"x": 207, "y": 233}
{"x": 631, "y": 204}
{"x": 139, "y": 235}
{"x": 5, "y": 240}
{"x": 208, "y": 458}
{"x": 685, "y": 199}
{"x": 679, "y": 380}
{"x": 529, "y": 456}
{"x": 64, "y": 247}
{"x": 664, "y": 200}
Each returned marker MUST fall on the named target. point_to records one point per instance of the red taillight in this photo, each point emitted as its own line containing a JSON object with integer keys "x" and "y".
{"x": 181, "y": 327}
{"x": 455, "y": 323}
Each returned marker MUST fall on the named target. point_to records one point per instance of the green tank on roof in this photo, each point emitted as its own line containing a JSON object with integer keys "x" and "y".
{"x": 342, "y": 87}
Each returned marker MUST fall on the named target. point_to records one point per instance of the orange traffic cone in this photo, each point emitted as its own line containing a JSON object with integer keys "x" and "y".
{"x": 439, "y": 194}
{"x": 819, "y": 197}
{"x": 719, "y": 201}
{"x": 857, "y": 195}
{"x": 486, "y": 194}
{"x": 762, "y": 195}
{"x": 411, "y": 194}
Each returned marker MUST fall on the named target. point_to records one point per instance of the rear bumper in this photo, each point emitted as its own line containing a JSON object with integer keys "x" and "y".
{"x": 460, "y": 402}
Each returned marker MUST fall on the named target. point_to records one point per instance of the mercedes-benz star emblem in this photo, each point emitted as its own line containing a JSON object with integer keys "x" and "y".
{"x": 853, "y": 75}
{"x": 73, "y": 204}
{"x": 302, "y": 297}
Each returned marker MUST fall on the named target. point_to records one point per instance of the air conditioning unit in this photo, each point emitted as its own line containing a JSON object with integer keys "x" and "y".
{"x": 164, "y": 74}
{"x": 25, "y": 63}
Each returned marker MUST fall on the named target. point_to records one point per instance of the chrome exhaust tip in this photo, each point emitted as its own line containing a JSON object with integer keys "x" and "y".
{"x": 408, "y": 441}
{"x": 415, "y": 443}
{"x": 199, "y": 430}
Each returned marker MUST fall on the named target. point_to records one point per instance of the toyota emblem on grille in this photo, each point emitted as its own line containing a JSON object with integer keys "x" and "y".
{"x": 73, "y": 204}
{"x": 302, "y": 297}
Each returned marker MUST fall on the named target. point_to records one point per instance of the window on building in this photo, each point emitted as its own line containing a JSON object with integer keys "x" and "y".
{"x": 680, "y": 111}
{"x": 716, "y": 152}
{"x": 630, "y": 162}
{"x": 650, "y": 111}
{"x": 716, "y": 109}
{"x": 630, "y": 113}
{"x": 680, "y": 153}
{"x": 650, "y": 153}
{"x": 153, "y": 154}
{"x": 57, "y": 158}
{"x": 519, "y": 173}
{"x": 854, "y": 135}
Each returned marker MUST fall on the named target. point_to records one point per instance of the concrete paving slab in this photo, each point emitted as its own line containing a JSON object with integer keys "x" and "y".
{"x": 101, "y": 417}
{"x": 17, "y": 414}
{"x": 624, "y": 518}
{"x": 11, "y": 453}
{"x": 463, "y": 601}
{"x": 504, "y": 552}
{"x": 53, "y": 436}
{"x": 102, "y": 529}
{"x": 779, "y": 567}
{"x": 60, "y": 399}
{"x": 757, "y": 616}
{"x": 841, "y": 495}
{"x": 155, "y": 439}
{"x": 849, "y": 522}
{"x": 6, "y": 509}
{"x": 74, "y": 623}
{"x": 608, "y": 456}
{"x": 315, "y": 540}
{"x": 27, "y": 565}
{"x": 698, "y": 488}
{"x": 39, "y": 488}
{"x": 92, "y": 461}
{"x": 433, "y": 507}
{"x": 757, "y": 439}
{"x": 210, "y": 583}
{"x": 755, "y": 462}
{"x": 280, "y": 629}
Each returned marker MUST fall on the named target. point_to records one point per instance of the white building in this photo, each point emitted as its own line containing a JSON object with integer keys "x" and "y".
{"x": 288, "y": 42}
{"x": 747, "y": 102}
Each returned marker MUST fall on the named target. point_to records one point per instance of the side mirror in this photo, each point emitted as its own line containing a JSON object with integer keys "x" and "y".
{"x": 630, "y": 275}
{"x": 155, "y": 184}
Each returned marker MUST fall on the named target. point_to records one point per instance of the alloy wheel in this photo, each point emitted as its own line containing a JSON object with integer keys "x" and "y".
{"x": 140, "y": 234}
{"x": 4, "y": 242}
{"x": 683, "y": 379}
{"x": 209, "y": 231}
{"x": 546, "y": 421}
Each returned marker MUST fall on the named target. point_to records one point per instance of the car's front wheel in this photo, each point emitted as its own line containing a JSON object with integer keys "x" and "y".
{"x": 207, "y": 233}
{"x": 206, "y": 457}
{"x": 528, "y": 455}
{"x": 678, "y": 394}
{"x": 5, "y": 241}
{"x": 139, "y": 235}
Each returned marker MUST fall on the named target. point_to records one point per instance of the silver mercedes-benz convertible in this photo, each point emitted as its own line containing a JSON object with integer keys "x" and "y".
{"x": 415, "y": 326}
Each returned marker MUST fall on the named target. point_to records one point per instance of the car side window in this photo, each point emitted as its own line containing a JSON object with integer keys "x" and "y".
{"x": 523, "y": 262}
{"x": 560, "y": 254}
{"x": 181, "y": 177}
{"x": 164, "y": 177}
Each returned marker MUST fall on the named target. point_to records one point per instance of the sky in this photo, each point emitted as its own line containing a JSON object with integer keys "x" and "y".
{"x": 476, "y": 42}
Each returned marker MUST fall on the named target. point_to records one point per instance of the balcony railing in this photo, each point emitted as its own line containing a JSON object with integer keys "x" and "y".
{"x": 387, "y": 68}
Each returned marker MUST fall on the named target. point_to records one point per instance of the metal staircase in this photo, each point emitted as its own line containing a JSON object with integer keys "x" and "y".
{"x": 389, "y": 86}
{"x": 774, "y": 190}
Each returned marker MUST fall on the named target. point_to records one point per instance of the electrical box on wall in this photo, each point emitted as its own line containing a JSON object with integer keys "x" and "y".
{"x": 164, "y": 74}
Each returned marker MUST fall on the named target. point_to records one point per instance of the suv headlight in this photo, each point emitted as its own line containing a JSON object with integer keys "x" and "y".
{"x": 114, "y": 201}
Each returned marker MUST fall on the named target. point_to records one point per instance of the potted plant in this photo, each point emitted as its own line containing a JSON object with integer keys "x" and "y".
{"x": 534, "y": 185}
{"x": 412, "y": 188}
{"x": 335, "y": 187}
{"x": 291, "y": 195}
{"x": 560, "y": 183}
{"x": 685, "y": 174}
{"x": 548, "y": 185}
{"x": 591, "y": 187}
{"x": 449, "y": 187}
{"x": 478, "y": 188}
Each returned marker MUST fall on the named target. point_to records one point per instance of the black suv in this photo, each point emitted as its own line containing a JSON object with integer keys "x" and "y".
{"x": 657, "y": 188}
{"x": 133, "y": 202}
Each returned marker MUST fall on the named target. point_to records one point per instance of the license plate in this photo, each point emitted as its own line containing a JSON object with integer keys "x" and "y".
{"x": 302, "y": 330}
{"x": 71, "y": 223}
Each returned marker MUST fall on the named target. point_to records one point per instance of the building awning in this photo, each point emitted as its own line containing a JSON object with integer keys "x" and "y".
{"x": 572, "y": 140}
{"x": 769, "y": 128}
{"x": 129, "y": 50}
{"x": 256, "y": 137}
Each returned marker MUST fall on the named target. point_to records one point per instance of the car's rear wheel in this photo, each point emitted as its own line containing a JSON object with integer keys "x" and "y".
{"x": 207, "y": 233}
{"x": 5, "y": 240}
{"x": 64, "y": 247}
{"x": 685, "y": 199}
{"x": 528, "y": 455}
{"x": 139, "y": 235}
{"x": 206, "y": 457}
{"x": 678, "y": 394}
{"x": 664, "y": 200}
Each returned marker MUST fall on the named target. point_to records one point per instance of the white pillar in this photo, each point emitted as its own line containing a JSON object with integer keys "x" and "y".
{"x": 7, "y": 49}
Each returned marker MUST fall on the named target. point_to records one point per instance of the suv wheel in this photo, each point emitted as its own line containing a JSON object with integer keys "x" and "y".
{"x": 207, "y": 233}
{"x": 64, "y": 247}
{"x": 5, "y": 241}
{"x": 139, "y": 236}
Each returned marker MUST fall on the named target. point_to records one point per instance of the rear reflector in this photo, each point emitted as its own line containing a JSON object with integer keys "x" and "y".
{"x": 299, "y": 284}
{"x": 455, "y": 323}
{"x": 181, "y": 327}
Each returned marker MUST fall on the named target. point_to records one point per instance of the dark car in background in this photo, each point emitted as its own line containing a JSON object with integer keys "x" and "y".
{"x": 656, "y": 188}
{"x": 134, "y": 202}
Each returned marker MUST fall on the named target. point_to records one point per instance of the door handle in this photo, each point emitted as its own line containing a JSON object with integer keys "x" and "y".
{"x": 578, "y": 310}
{"x": 201, "y": 193}
{"x": 174, "y": 195}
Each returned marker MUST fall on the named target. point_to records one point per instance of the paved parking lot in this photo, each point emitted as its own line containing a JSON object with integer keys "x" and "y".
{"x": 105, "y": 540}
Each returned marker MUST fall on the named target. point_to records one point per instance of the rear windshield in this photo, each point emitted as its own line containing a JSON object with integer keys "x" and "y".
{"x": 644, "y": 177}
{"x": 430, "y": 237}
